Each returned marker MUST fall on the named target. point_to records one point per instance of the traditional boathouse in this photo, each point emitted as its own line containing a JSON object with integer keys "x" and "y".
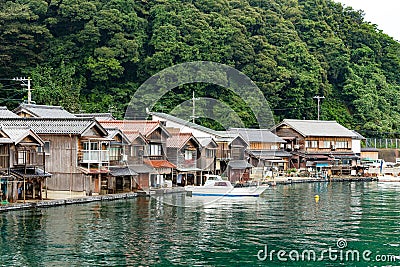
{"x": 229, "y": 158}
{"x": 320, "y": 145}
{"x": 76, "y": 151}
{"x": 22, "y": 164}
{"x": 155, "y": 163}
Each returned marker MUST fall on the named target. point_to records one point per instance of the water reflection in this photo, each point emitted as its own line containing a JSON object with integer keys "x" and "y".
{"x": 197, "y": 231}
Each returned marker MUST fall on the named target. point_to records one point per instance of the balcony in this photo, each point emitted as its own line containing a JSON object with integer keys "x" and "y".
{"x": 95, "y": 156}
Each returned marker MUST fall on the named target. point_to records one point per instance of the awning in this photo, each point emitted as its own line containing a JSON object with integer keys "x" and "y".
{"x": 316, "y": 156}
{"x": 122, "y": 171}
{"x": 276, "y": 160}
{"x": 30, "y": 173}
{"x": 160, "y": 164}
{"x": 93, "y": 171}
{"x": 322, "y": 165}
{"x": 142, "y": 168}
{"x": 188, "y": 169}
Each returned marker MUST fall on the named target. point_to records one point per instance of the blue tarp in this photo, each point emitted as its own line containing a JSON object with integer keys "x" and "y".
{"x": 322, "y": 165}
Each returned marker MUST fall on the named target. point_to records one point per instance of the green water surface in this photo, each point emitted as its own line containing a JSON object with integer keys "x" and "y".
{"x": 199, "y": 231}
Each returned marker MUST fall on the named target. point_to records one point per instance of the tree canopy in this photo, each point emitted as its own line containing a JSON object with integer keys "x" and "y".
{"x": 92, "y": 55}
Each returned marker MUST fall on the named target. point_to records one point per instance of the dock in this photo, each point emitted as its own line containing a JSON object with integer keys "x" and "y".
{"x": 67, "y": 201}
{"x": 294, "y": 180}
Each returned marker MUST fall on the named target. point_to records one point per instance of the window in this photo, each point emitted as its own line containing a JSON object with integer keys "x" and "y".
{"x": 90, "y": 146}
{"x": 341, "y": 144}
{"x": 115, "y": 153}
{"x": 326, "y": 144}
{"x": 210, "y": 153}
{"x": 45, "y": 148}
{"x": 21, "y": 157}
{"x": 188, "y": 155}
{"x": 155, "y": 150}
{"x": 312, "y": 144}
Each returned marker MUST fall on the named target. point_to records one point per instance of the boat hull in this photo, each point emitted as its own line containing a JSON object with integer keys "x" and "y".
{"x": 226, "y": 192}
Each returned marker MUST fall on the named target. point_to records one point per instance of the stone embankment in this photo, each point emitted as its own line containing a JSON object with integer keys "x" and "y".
{"x": 67, "y": 201}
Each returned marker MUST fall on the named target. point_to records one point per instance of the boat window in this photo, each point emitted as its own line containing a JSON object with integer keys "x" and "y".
{"x": 221, "y": 184}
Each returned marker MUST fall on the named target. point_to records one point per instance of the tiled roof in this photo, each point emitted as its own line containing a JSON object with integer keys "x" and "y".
{"x": 318, "y": 128}
{"x": 178, "y": 140}
{"x": 133, "y": 135}
{"x": 5, "y": 113}
{"x": 160, "y": 164}
{"x": 97, "y": 116}
{"x": 143, "y": 126}
{"x": 74, "y": 126}
{"x": 44, "y": 111}
{"x": 257, "y": 135}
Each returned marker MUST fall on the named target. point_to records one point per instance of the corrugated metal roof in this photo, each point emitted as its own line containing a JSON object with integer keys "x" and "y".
{"x": 239, "y": 164}
{"x": 318, "y": 128}
{"x": 257, "y": 135}
{"x": 269, "y": 153}
{"x": 122, "y": 171}
{"x": 74, "y": 126}
{"x": 206, "y": 141}
{"x": 15, "y": 133}
{"x": 142, "y": 168}
{"x": 5, "y": 113}
{"x": 162, "y": 163}
{"x": 44, "y": 111}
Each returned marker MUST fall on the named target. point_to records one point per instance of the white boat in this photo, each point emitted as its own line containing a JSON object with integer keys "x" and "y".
{"x": 216, "y": 186}
{"x": 388, "y": 178}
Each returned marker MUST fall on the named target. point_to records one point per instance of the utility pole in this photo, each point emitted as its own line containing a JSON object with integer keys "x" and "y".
{"x": 26, "y": 82}
{"x": 194, "y": 108}
{"x": 318, "y": 100}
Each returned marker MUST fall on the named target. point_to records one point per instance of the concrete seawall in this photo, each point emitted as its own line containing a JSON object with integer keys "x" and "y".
{"x": 294, "y": 180}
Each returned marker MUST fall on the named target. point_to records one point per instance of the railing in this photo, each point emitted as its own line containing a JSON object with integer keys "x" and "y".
{"x": 95, "y": 156}
{"x": 381, "y": 143}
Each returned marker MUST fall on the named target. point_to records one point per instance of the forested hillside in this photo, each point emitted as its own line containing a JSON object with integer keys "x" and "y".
{"x": 93, "y": 54}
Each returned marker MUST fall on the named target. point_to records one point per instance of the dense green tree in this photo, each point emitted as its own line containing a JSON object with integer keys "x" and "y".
{"x": 92, "y": 55}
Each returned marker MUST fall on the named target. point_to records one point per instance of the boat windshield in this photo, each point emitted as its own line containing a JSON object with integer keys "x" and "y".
{"x": 221, "y": 184}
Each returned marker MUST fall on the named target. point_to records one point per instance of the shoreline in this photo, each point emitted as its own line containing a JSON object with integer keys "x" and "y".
{"x": 66, "y": 201}
{"x": 294, "y": 180}
{"x": 87, "y": 199}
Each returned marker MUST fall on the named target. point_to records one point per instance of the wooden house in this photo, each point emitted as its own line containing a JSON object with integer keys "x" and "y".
{"x": 76, "y": 151}
{"x": 265, "y": 148}
{"x": 183, "y": 150}
{"x": 22, "y": 164}
{"x": 231, "y": 146}
{"x": 41, "y": 111}
{"x": 207, "y": 156}
{"x": 318, "y": 144}
{"x": 154, "y": 154}
{"x": 126, "y": 157}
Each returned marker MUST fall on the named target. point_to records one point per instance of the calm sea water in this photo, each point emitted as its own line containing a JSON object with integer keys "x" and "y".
{"x": 182, "y": 230}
